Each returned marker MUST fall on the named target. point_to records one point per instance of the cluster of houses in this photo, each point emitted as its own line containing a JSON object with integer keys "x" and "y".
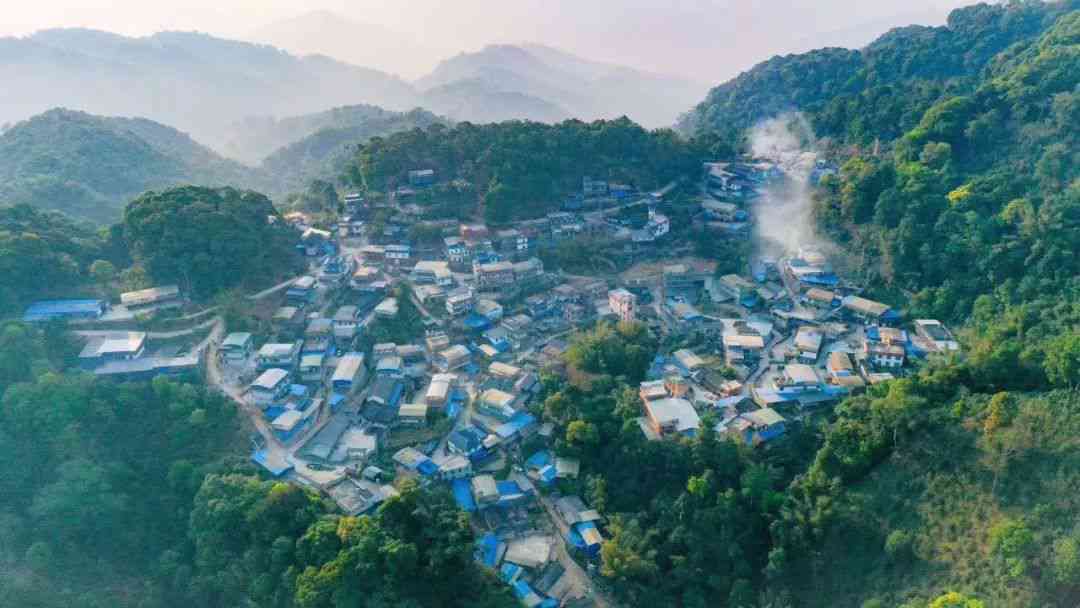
{"x": 121, "y": 354}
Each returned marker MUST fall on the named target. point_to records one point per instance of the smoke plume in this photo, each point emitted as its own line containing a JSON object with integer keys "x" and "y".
{"x": 784, "y": 213}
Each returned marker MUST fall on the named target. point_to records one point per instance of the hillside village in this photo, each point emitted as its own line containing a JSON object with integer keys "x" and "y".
{"x": 400, "y": 359}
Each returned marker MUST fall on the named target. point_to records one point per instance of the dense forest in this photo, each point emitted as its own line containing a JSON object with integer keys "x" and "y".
{"x": 954, "y": 487}
{"x": 526, "y": 169}
{"x": 967, "y": 211}
{"x": 130, "y": 495}
{"x": 210, "y": 240}
{"x": 91, "y": 166}
{"x": 881, "y": 91}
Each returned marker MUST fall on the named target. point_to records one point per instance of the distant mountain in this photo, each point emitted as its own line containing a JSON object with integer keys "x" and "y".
{"x": 91, "y": 166}
{"x": 482, "y": 101}
{"x": 198, "y": 83}
{"x": 581, "y": 88}
{"x": 333, "y": 35}
{"x": 322, "y": 144}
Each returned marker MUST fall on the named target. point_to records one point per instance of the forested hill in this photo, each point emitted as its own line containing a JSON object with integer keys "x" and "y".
{"x": 880, "y": 91}
{"x": 319, "y": 146}
{"x": 960, "y": 478}
{"x": 526, "y": 169}
{"x": 257, "y": 137}
{"x": 90, "y": 166}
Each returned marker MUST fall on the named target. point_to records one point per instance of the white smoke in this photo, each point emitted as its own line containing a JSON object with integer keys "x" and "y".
{"x": 784, "y": 213}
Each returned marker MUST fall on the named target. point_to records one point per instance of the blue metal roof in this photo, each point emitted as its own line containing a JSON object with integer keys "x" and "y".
{"x": 260, "y": 457}
{"x": 489, "y": 547}
{"x": 49, "y": 309}
{"x": 427, "y": 468}
{"x": 463, "y": 495}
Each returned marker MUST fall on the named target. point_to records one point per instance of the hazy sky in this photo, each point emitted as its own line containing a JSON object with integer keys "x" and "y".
{"x": 705, "y": 39}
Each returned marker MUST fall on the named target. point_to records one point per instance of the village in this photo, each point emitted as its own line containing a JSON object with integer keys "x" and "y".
{"x": 481, "y": 320}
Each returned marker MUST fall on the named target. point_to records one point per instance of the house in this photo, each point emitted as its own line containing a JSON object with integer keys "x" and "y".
{"x": 392, "y": 366}
{"x": 412, "y": 459}
{"x": 676, "y": 386}
{"x": 68, "y": 310}
{"x": 397, "y": 254}
{"x": 270, "y": 386}
{"x": 467, "y": 441}
{"x": 572, "y": 510}
{"x": 437, "y": 341}
{"x": 319, "y": 329}
{"x": 504, "y": 371}
{"x": 688, "y": 360}
{"x": 842, "y": 371}
{"x": 412, "y": 414}
{"x": 454, "y": 466}
{"x": 302, "y": 291}
{"x": 742, "y": 348}
{"x": 623, "y": 304}
{"x": 364, "y": 276}
{"x": 808, "y": 343}
{"x": 373, "y": 255}
{"x": 274, "y": 354}
{"x": 346, "y": 321}
{"x": 798, "y": 377}
{"x": 489, "y": 309}
{"x": 485, "y": 491}
{"x": 498, "y": 338}
{"x": 884, "y": 356}
{"x": 349, "y": 373}
{"x": 672, "y": 415}
{"x": 287, "y": 316}
{"x": 459, "y": 302}
{"x": 593, "y": 187}
{"x": 493, "y": 275}
{"x": 722, "y": 211}
{"x": 936, "y": 335}
{"x": 419, "y": 178}
{"x": 458, "y": 252}
{"x": 439, "y": 389}
{"x": 527, "y": 270}
{"x": 822, "y": 297}
{"x": 386, "y": 392}
{"x": 870, "y": 310}
{"x": 154, "y": 296}
{"x": 434, "y": 272}
{"x": 387, "y": 309}
{"x": 497, "y": 404}
{"x": 758, "y": 426}
{"x": 237, "y": 346}
{"x": 653, "y": 390}
{"x": 311, "y": 367}
{"x": 115, "y": 346}
{"x": 453, "y": 358}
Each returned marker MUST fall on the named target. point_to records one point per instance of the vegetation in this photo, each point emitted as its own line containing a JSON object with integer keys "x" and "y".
{"x": 44, "y": 254}
{"x": 90, "y": 166}
{"x": 881, "y": 91}
{"x": 209, "y": 240}
{"x": 525, "y": 169}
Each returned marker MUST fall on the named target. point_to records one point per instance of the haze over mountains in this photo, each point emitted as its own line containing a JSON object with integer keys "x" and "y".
{"x": 203, "y": 85}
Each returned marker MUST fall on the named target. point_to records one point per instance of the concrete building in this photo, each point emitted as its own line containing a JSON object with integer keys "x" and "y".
{"x": 270, "y": 386}
{"x": 154, "y": 296}
{"x": 672, "y": 415}
{"x": 349, "y": 373}
{"x": 284, "y": 355}
{"x": 623, "y": 304}
{"x": 237, "y": 346}
{"x": 455, "y": 357}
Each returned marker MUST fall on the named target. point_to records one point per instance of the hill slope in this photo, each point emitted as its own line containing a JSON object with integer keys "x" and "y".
{"x": 198, "y": 83}
{"x": 880, "y": 91}
{"x": 958, "y": 478}
{"x": 325, "y": 152}
{"x": 90, "y": 166}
